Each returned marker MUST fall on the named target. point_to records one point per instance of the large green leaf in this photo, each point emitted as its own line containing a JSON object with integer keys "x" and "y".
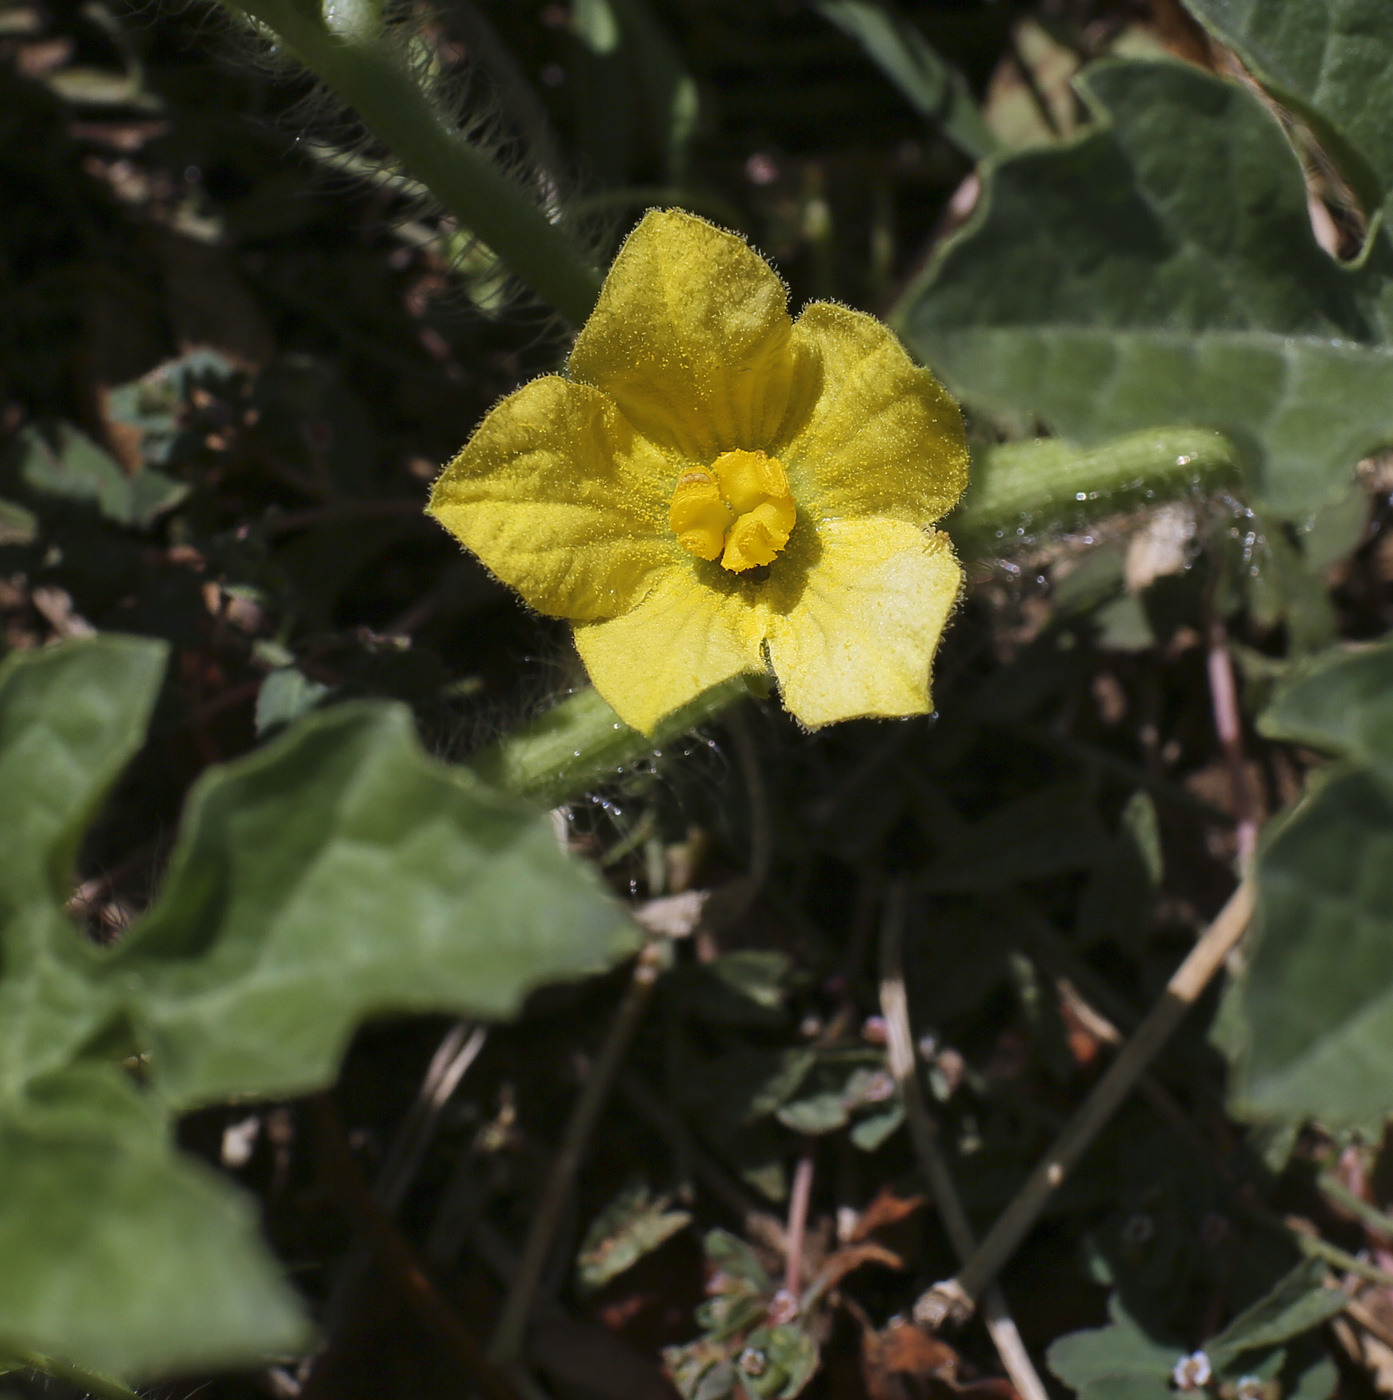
{"x": 1328, "y": 60}
{"x": 120, "y": 1252}
{"x": 1341, "y": 701}
{"x": 1313, "y": 1015}
{"x": 70, "y": 718}
{"x": 1159, "y": 270}
{"x": 1310, "y": 1023}
{"x": 336, "y": 874}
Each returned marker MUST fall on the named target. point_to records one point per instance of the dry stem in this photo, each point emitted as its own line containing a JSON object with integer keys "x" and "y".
{"x": 956, "y": 1297}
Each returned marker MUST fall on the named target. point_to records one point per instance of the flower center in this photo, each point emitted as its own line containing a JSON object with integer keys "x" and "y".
{"x": 739, "y": 511}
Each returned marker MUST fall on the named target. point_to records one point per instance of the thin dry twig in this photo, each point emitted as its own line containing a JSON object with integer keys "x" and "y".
{"x": 1228, "y": 724}
{"x": 458, "y": 1049}
{"x": 800, "y": 1197}
{"x": 958, "y": 1296}
{"x": 506, "y": 1346}
{"x": 923, "y": 1130}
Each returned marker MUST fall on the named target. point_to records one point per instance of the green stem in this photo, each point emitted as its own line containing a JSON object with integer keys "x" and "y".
{"x": 1024, "y": 490}
{"x": 465, "y": 181}
{"x": 581, "y": 742}
{"x": 1369, "y": 1216}
{"x": 1028, "y": 486}
{"x": 102, "y": 1386}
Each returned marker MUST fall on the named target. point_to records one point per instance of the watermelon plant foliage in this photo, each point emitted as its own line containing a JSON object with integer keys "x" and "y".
{"x": 336, "y": 874}
{"x": 1161, "y": 269}
{"x": 1170, "y": 379}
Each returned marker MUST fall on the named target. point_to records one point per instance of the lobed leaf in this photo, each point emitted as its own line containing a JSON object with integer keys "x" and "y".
{"x": 1161, "y": 270}
{"x": 70, "y": 717}
{"x": 1328, "y": 60}
{"x": 337, "y": 874}
{"x": 121, "y": 1252}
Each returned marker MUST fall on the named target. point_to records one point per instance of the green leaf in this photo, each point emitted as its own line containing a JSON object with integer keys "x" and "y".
{"x": 337, "y": 874}
{"x": 1340, "y": 701}
{"x": 17, "y": 525}
{"x": 1161, "y": 270}
{"x": 839, "y": 1085}
{"x": 1311, "y": 1021}
{"x": 120, "y": 1252}
{"x": 1116, "y": 1362}
{"x": 70, "y": 717}
{"x": 633, "y": 1224}
{"x": 931, "y": 85}
{"x": 778, "y": 1361}
{"x": 1299, "y": 1302}
{"x": 1328, "y": 60}
{"x": 73, "y": 467}
{"x": 285, "y": 695}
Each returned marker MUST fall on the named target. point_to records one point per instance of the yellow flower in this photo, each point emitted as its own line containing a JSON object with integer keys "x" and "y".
{"x": 715, "y": 489}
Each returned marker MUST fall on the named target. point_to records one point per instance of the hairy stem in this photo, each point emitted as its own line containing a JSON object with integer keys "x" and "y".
{"x": 1023, "y": 490}
{"x": 1029, "y": 486}
{"x": 465, "y": 181}
{"x": 580, "y": 742}
{"x": 101, "y": 1386}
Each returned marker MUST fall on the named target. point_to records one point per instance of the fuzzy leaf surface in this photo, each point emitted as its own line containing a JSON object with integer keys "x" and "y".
{"x": 121, "y": 1253}
{"x": 337, "y": 874}
{"x": 1161, "y": 270}
{"x": 70, "y": 718}
{"x": 1328, "y": 60}
{"x": 1315, "y": 1005}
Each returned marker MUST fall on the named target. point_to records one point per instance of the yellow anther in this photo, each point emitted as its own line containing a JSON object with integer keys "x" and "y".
{"x": 741, "y": 511}
{"x": 698, "y": 516}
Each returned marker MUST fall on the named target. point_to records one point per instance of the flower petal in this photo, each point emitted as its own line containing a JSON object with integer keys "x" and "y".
{"x": 560, "y": 497}
{"x": 882, "y": 436}
{"x": 690, "y": 337}
{"x": 683, "y": 638}
{"x": 859, "y": 637}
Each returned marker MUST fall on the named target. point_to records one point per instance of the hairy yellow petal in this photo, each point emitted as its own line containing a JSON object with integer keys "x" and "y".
{"x": 560, "y": 497}
{"x": 882, "y": 437}
{"x": 683, "y": 638}
{"x": 858, "y": 636}
{"x": 690, "y": 337}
